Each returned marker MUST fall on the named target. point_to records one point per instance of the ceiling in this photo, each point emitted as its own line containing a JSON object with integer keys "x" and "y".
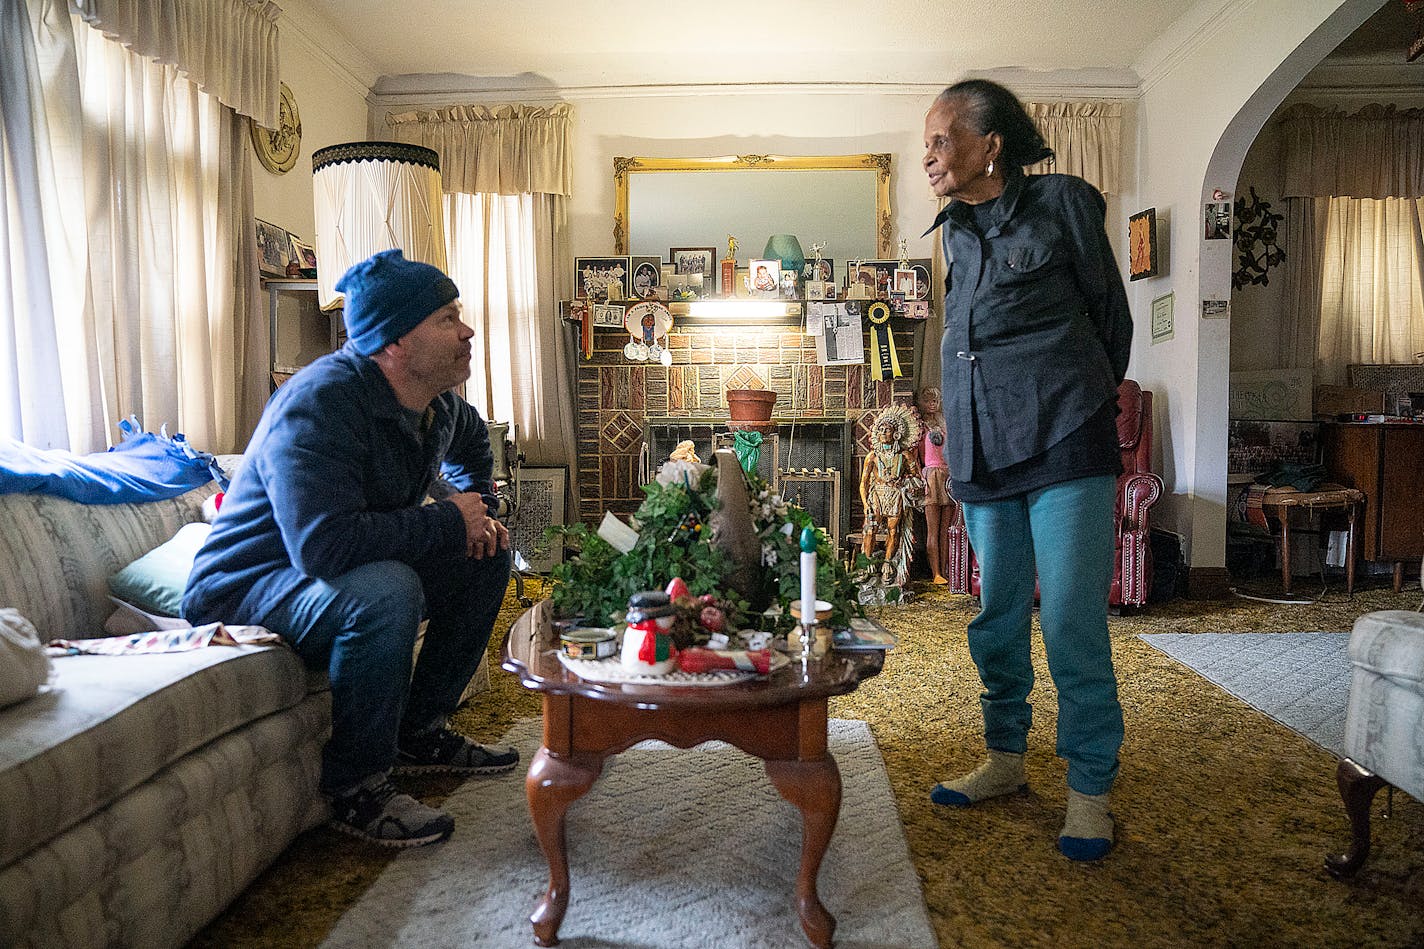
{"x": 577, "y": 43}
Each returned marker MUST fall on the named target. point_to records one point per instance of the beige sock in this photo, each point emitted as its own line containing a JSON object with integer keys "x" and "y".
{"x": 1001, "y": 773}
{"x": 1088, "y": 817}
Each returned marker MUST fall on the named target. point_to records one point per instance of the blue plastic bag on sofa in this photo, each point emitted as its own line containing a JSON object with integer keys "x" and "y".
{"x": 141, "y": 467}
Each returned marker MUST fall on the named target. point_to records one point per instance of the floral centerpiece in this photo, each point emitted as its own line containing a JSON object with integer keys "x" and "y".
{"x": 675, "y": 526}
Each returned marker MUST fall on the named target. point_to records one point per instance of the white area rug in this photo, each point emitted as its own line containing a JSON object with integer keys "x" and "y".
{"x": 1302, "y": 680}
{"x": 670, "y": 849}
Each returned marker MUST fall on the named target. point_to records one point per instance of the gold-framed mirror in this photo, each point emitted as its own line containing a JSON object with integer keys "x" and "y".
{"x": 841, "y": 200}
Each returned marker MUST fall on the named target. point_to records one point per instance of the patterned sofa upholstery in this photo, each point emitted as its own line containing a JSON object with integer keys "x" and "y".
{"x": 138, "y": 794}
{"x": 1384, "y": 722}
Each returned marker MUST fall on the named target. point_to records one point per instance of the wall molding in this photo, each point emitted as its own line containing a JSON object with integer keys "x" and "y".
{"x": 1183, "y": 38}
{"x": 395, "y": 93}
{"x": 317, "y": 38}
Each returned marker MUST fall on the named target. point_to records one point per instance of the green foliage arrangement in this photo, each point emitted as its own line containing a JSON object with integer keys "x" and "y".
{"x": 595, "y": 580}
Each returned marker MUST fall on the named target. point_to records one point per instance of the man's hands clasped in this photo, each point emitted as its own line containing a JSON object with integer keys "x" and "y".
{"x": 484, "y": 535}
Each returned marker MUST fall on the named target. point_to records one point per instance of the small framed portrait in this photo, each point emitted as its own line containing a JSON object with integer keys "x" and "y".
{"x": 689, "y": 260}
{"x": 601, "y": 279}
{"x": 274, "y": 249}
{"x": 921, "y": 267}
{"x": 765, "y": 277}
{"x": 816, "y": 289}
{"x": 647, "y": 277}
{"x": 904, "y": 283}
{"x": 1217, "y": 216}
{"x": 1142, "y": 244}
{"x": 823, "y": 270}
{"x": 917, "y": 309}
{"x": 304, "y": 256}
{"x": 608, "y": 314}
{"x": 789, "y": 290}
{"x": 884, "y": 276}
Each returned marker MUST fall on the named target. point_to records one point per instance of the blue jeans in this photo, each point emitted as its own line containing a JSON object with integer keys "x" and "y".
{"x": 1066, "y": 529}
{"x": 361, "y": 627}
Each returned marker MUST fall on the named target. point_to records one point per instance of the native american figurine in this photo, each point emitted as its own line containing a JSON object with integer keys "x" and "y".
{"x": 890, "y": 487}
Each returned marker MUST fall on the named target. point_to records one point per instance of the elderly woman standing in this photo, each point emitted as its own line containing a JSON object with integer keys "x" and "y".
{"x": 1036, "y": 339}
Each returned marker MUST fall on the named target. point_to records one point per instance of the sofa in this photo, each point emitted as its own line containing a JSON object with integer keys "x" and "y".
{"x": 139, "y": 794}
{"x": 1384, "y": 723}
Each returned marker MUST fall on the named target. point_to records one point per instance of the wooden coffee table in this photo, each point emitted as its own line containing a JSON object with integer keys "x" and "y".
{"x": 781, "y": 719}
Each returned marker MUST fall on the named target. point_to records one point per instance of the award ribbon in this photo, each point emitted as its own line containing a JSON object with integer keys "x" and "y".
{"x": 883, "y": 358}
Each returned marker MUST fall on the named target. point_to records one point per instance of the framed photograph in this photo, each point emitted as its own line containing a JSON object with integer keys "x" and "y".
{"x": 690, "y": 260}
{"x": 305, "y": 256}
{"x": 1142, "y": 244}
{"x": 788, "y": 285}
{"x": 904, "y": 283}
{"x": 274, "y": 249}
{"x": 921, "y": 267}
{"x": 541, "y": 506}
{"x": 601, "y": 279}
{"x": 879, "y": 275}
{"x": 647, "y": 277}
{"x": 825, "y": 271}
{"x": 1162, "y": 325}
{"x": 1217, "y": 216}
{"x": 608, "y": 314}
{"x": 765, "y": 277}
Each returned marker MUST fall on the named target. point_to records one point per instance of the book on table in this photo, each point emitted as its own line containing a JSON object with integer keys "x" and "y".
{"x": 863, "y": 633}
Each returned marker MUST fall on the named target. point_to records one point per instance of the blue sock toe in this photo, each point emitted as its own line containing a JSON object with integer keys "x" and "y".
{"x": 943, "y": 795}
{"x": 1084, "y": 848}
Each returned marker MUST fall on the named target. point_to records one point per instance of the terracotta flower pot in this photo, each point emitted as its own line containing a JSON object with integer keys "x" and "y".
{"x": 750, "y": 405}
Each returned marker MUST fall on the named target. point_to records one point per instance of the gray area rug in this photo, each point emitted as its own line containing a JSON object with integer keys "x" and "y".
{"x": 670, "y": 849}
{"x": 1302, "y": 680}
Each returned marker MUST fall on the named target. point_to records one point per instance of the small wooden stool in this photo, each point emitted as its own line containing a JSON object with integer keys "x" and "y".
{"x": 1280, "y": 502}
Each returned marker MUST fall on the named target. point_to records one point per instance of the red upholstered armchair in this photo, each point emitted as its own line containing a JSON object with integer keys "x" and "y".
{"x": 1138, "y": 488}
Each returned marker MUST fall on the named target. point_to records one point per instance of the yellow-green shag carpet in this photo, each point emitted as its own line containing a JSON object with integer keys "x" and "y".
{"x": 1224, "y": 816}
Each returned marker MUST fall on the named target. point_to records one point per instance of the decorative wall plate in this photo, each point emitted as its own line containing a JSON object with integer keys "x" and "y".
{"x": 648, "y": 321}
{"x": 277, "y": 149}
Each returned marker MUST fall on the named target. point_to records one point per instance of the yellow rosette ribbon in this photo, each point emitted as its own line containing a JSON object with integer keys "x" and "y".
{"x": 883, "y": 357}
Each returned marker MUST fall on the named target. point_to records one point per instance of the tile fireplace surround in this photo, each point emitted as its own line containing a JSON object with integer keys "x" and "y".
{"x": 617, "y": 399}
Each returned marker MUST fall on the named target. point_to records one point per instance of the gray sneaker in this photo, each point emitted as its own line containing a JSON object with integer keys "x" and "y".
{"x": 377, "y": 812}
{"x": 442, "y": 750}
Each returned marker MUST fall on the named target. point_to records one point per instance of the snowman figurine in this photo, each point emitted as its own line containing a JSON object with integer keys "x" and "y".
{"x": 647, "y": 642}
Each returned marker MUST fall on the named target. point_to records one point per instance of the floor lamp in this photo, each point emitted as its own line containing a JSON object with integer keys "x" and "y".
{"x": 369, "y": 197}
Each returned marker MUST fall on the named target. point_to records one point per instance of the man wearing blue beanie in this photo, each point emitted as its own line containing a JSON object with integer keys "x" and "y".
{"x": 324, "y": 538}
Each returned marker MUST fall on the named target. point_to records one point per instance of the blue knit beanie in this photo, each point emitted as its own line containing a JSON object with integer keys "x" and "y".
{"x": 387, "y": 296}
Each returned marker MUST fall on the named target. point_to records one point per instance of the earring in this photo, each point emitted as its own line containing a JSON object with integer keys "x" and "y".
{"x": 990, "y": 170}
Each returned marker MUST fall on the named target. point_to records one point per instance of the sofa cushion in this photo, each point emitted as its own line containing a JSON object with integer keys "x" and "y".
{"x": 155, "y": 582}
{"x": 56, "y": 556}
{"x": 109, "y": 723}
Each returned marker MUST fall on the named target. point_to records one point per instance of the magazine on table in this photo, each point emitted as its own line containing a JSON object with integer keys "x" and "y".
{"x": 863, "y": 634}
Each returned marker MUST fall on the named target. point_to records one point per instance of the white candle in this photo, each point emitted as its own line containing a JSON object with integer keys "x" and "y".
{"x": 808, "y": 579}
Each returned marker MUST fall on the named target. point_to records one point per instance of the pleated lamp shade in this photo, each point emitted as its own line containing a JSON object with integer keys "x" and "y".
{"x": 369, "y": 197}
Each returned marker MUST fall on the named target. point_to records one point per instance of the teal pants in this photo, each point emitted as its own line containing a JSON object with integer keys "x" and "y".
{"x": 1066, "y": 531}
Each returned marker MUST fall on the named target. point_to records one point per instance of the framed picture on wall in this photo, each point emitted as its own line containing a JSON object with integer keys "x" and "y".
{"x": 921, "y": 267}
{"x": 541, "y": 505}
{"x": 823, "y": 270}
{"x": 1142, "y": 244}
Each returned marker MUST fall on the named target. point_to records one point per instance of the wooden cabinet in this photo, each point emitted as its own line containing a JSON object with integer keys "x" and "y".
{"x": 299, "y": 331}
{"x": 1386, "y": 462}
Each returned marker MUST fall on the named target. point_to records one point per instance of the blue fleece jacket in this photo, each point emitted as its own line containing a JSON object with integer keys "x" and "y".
{"x": 334, "y": 478}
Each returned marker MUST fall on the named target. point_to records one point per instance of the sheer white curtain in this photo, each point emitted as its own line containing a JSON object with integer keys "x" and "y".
{"x": 504, "y": 252}
{"x": 1354, "y": 190}
{"x": 1371, "y": 285}
{"x": 508, "y": 171}
{"x": 131, "y": 285}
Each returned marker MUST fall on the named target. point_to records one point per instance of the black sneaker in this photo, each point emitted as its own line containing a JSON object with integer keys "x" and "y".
{"x": 442, "y": 750}
{"x": 377, "y": 812}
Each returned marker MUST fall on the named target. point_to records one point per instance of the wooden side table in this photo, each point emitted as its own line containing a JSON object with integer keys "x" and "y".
{"x": 1329, "y": 497}
{"x": 781, "y": 719}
